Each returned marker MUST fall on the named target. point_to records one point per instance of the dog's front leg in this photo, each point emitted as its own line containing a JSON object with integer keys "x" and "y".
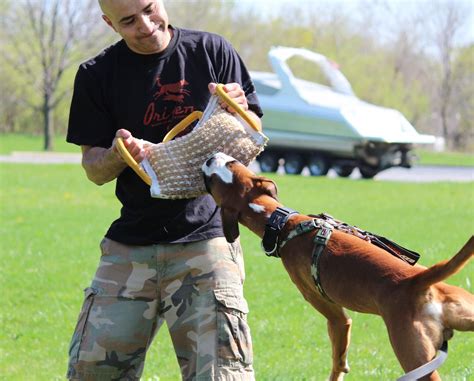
{"x": 339, "y": 323}
{"x": 339, "y": 329}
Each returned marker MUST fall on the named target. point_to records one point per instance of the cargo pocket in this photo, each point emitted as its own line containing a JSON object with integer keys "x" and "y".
{"x": 234, "y": 344}
{"x": 89, "y": 294}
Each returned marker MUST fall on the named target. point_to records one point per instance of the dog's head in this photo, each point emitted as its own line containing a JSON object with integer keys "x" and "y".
{"x": 236, "y": 190}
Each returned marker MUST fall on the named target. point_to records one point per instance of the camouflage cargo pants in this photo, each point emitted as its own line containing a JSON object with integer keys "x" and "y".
{"x": 197, "y": 288}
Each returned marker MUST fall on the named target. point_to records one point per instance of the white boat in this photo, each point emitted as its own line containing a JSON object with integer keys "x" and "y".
{"x": 323, "y": 126}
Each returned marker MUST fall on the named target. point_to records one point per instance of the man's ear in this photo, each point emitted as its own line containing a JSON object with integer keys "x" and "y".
{"x": 108, "y": 22}
{"x": 230, "y": 224}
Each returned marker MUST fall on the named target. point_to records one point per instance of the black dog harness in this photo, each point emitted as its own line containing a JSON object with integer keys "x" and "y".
{"x": 406, "y": 255}
{"x": 324, "y": 224}
{"x": 271, "y": 241}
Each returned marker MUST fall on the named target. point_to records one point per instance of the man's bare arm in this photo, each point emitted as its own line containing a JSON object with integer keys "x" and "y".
{"x": 105, "y": 164}
{"x": 101, "y": 164}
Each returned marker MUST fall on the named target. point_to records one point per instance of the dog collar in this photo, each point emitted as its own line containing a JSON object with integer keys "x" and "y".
{"x": 273, "y": 227}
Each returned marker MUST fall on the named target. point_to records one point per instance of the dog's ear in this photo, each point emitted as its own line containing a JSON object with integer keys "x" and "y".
{"x": 230, "y": 224}
{"x": 269, "y": 187}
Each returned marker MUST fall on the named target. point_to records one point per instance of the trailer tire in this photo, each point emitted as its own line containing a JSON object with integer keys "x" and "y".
{"x": 294, "y": 163}
{"x": 343, "y": 170}
{"x": 268, "y": 161}
{"x": 318, "y": 165}
{"x": 367, "y": 172}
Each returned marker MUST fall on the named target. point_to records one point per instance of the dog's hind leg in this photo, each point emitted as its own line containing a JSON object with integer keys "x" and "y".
{"x": 414, "y": 345}
{"x": 457, "y": 307}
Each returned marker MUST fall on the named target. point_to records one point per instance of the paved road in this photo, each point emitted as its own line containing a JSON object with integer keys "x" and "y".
{"x": 41, "y": 158}
{"x": 420, "y": 173}
{"x": 427, "y": 174}
{"x": 416, "y": 174}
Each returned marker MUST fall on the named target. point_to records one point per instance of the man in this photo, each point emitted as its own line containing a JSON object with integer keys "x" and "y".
{"x": 162, "y": 260}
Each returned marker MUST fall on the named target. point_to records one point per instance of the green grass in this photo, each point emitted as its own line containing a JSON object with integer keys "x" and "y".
{"x": 52, "y": 220}
{"x": 22, "y": 142}
{"x": 446, "y": 158}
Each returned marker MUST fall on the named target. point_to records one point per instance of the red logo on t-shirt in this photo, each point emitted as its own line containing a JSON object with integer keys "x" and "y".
{"x": 165, "y": 106}
{"x": 172, "y": 91}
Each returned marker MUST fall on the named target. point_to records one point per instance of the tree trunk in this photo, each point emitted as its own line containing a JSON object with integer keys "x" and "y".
{"x": 445, "y": 99}
{"x": 48, "y": 123}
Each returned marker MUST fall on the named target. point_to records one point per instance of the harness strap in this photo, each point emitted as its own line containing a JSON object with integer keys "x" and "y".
{"x": 406, "y": 255}
{"x": 320, "y": 241}
{"x": 429, "y": 367}
{"x": 301, "y": 228}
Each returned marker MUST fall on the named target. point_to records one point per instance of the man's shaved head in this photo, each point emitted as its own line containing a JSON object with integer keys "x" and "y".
{"x": 143, "y": 24}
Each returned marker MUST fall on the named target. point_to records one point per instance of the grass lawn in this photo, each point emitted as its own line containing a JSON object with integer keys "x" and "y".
{"x": 21, "y": 142}
{"x": 52, "y": 220}
{"x": 446, "y": 158}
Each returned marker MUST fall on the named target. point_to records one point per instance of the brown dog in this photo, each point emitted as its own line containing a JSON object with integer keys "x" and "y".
{"x": 420, "y": 311}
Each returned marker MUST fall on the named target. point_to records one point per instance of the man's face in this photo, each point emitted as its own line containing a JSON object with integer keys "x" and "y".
{"x": 143, "y": 24}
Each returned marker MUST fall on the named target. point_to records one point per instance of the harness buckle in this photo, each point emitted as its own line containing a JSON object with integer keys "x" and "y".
{"x": 324, "y": 231}
{"x": 322, "y": 235}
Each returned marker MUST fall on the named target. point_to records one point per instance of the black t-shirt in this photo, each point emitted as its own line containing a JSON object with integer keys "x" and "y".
{"x": 148, "y": 95}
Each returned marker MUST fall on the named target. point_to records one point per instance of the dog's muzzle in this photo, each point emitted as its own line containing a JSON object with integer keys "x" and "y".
{"x": 216, "y": 165}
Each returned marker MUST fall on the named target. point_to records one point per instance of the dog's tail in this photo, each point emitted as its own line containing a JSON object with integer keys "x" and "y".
{"x": 444, "y": 269}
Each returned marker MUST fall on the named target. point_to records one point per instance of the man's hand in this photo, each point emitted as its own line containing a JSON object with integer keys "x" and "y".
{"x": 134, "y": 146}
{"x": 105, "y": 164}
{"x": 235, "y": 92}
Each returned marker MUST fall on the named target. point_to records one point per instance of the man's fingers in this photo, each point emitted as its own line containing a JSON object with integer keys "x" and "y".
{"x": 122, "y": 133}
{"x": 235, "y": 92}
{"x": 133, "y": 146}
{"x": 212, "y": 87}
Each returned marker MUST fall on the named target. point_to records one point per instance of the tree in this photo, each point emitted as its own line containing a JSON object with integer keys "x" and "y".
{"x": 446, "y": 22}
{"x": 463, "y": 98}
{"x": 43, "y": 39}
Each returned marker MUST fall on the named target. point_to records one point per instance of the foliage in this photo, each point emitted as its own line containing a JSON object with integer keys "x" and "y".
{"x": 52, "y": 219}
{"x": 43, "y": 41}
{"x": 463, "y": 100}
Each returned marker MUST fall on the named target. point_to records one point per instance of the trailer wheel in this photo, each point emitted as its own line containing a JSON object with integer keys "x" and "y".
{"x": 343, "y": 170}
{"x": 294, "y": 163}
{"x": 367, "y": 172}
{"x": 268, "y": 161}
{"x": 318, "y": 165}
